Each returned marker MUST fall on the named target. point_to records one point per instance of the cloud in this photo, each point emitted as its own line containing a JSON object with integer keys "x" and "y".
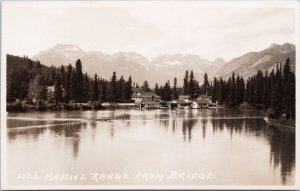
{"x": 209, "y": 32}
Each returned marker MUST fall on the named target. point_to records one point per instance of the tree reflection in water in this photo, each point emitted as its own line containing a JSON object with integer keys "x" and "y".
{"x": 282, "y": 143}
{"x": 184, "y": 123}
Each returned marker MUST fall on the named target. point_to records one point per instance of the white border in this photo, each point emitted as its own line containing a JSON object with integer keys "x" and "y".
{"x": 191, "y": 3}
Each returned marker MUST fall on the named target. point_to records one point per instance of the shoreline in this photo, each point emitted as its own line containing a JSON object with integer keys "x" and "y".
{"x": 285, "y": 126}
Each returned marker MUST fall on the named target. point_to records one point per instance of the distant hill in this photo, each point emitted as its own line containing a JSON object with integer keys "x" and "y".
{"x": 267, "y": 59}
{"x": 167, "y": 66}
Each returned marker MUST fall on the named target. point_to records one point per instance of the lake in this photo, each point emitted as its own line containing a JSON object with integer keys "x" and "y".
{"x": 152, "y": 147}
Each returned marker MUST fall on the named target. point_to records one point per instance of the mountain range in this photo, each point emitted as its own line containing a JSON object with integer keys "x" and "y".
{"x": 165, "y": 67}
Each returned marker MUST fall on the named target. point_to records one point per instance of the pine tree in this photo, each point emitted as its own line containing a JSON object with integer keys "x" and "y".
{"x": 113, "y": 88}
{"x": 103, "y": 91}
{"x": 266, "y": 89}
{"x": 95, "y": 93}
{"x": 129, "y": 88}
{"x": 73, "y": 86}
{"x": 205, "y": 84}
{"x": 156, "y": 89}
{"x": 186, "y": 83}
{"x": 221, "y": 92}
{"x": 161, "y": 92}
{"x": 79, "y": 91}
{"x": 286, "y": 71}
{"x": 62, "y": 74}
{"x": 121, "y": 88}
{"x": 86, "y": 85}
{"x": 288, "y": 81}
{"x": 145, "y": 87}
{"x": 58, "y": 89}
{"x": 175, "y": 90}
{"x": 231, "y": 91}
{"x": 237, "y": 92}
{"x": 242, "y": 90}
{"x": 191, "y": 87}
{"x": 68, "y": 91}
{"x": 215, "y": 90}
{"x": 11, "y": 88}
{"x": 277, "y": 98}
{"x": 166, "y": 95}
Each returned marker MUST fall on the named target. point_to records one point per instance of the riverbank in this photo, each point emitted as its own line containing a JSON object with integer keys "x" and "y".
{"x": 42, "y": 106}
{"x": 282, "y": 125}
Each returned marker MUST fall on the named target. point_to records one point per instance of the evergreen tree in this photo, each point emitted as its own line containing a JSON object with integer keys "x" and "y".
{"x": 156, "y": 89}
{"x": 79, "y": 90}
{"x": 231, "y": 91}
{"x": 68, "y": 85}
{"x": 73, "y": 86}
{"x": 205, "y": 84}
{"x": 113, "y": 88}
{"x": 129, "y": 88}
{"x": 175, "y": 90}
{"x": 86, "y": 85}
{"x": 191, "y": 87}
{"x": 215, "y": 90}
{"x": 103, "y": 91}
{"x": 288, "y": 81}
{"x": 11, "y": 88}
{"x": 121, "y": 88}
{"x": 277, "y": 94}
{"x": 186, "y": 83}
{"x": 58, "y": 93}
{"x": 62, "y": 74}
{"x": 95, "y": 93}
{"x": 221, "y": 92}
{"x": 145, "y": 87}
{"x": 166, "y": 92}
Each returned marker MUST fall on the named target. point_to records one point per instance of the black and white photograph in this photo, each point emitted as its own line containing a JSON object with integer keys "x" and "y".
{"x": 149, "y": 95}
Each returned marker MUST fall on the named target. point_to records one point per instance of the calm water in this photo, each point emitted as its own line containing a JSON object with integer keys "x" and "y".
{"x": 194, "y": 147}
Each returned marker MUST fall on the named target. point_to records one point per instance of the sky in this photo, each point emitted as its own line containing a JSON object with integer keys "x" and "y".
{"x": 209, "y": 30}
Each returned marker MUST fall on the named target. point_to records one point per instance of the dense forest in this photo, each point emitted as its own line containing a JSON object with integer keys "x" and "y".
{"x": 28, "y": 81}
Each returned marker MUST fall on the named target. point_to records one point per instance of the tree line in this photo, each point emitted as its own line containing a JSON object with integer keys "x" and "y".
{"x": 274, "y": 91}
{"x": 28, "y": 80}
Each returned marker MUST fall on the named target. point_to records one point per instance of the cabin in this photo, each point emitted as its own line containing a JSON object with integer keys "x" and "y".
{"x": 203, "y": 101}
{"x": 186, "y": 98}
{"x": 199, "y": 104}
{"x": 141, "y": 96}
{"x": 150, "y": 104}
{"x": 148, "y": 100}
{"x": 180, "y": 104}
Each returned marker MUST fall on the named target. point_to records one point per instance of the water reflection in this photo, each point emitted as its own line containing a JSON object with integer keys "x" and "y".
{"x": 31, "y": 134}
{"x": 282, "y": 143}
{"x": 72, "y": 135}
{"x": 189, "y": 126}
{"x": 282, "y": 152}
